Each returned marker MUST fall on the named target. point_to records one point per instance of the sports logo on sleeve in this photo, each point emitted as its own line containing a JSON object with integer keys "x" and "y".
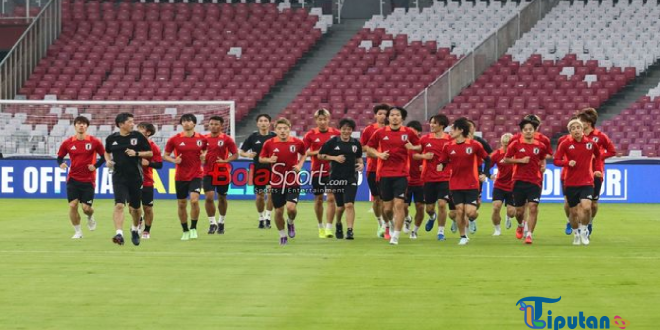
{"x": 133, "y": 141}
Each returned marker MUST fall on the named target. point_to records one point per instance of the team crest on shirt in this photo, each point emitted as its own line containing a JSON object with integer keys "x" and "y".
{"x": 589, "y": 146}
{"x": 88, "y": 146}
{"x": 468, "y": 150}
{"x": 199, "y": 143}
{"x": 134, "y": 142}
{"x": 292, "y": 148}
{"x": 220, "y": 143}
{"x": 536, "y": 151}
{"x": 354, "y": 148}
{"x": 595, "y": 138}
{"x": 404, "y": 137}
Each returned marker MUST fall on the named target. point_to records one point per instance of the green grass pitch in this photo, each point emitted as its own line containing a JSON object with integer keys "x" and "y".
{"x": 245, "y": 280}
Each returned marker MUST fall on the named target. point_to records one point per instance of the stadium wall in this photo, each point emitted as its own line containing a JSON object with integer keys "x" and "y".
{"x": 624, "y": 182}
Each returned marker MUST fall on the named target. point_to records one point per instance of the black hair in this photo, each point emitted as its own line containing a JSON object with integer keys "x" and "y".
{"x": 81, "y": 119}
{"x": 188, "y": 117}
{"x": 218, "y": 118}
{"x": 122, "y": 118}
{"x": 149, "y": 127}
{"x": 526, "y": 121}
{"x": 416, "y": 125}
{"x": 404, "y": 112}
{"x": 347, "y": 122}
{"x": 265, "y": 116}
{"x": 382, "y": 106}
{"x": 472, "y": 122}
{"x": 440, "y": 119}
{"x": 462, "y": 124}
{"x": 589, "y": 115}
{"x": 533, "y": 118}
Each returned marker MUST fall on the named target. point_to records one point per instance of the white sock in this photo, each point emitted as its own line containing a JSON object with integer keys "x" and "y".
{"x": 282, "y": 233}
{"x": 497, "y": 227}
{"x": 134, "y": 228}
{"x": 441, "y": 230}
{"x": 289, "y": 221}
{"x": 77, "y": 228}
{"x": 396, "y": 234}
{"x": 328, "y": 226}
{"x": 320, "y": 226}
{"x": 583, "y": 228}
{"x": 576, "y": 232}
{"x": 261, "y": 216}
{"x": 212, "y": 220}
{"x": 529, "y": 234}
{"x": 119, "y": 232}
{"x": 221, "y": 219}
{"x": 267, "y": 215}
{"x": 526, "y": 228}
{"x": 416, "y": 228}
{"x": 91, "y": 217}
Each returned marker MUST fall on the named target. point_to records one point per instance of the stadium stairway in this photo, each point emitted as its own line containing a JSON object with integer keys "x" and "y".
{"x": 631, "y": 93}
{"x": 301, "y": 74}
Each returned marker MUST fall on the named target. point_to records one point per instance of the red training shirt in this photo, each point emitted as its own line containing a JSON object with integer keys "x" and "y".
{"x": 415, "y": 174}
{"x": 82, "y": 153}
{"x": 287, "y": 153}
{"x": 583, "y": 153}
{"x": 190, "y": 149}
{"x": 148, "y": 171}
{"x": 372, "y": 163}
{"x": 394, "y": 141}
{"x": 434, "y": 145}
{"x": 530, "y": 172}
{"x": 504, "y": 180}
{"x": 314, "y": 140}
{"x": 218, "y": 147}
{"x": 606, "y": 146}
{"x": 464, "y": 159}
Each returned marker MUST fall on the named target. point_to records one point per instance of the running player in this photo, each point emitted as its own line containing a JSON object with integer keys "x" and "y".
{"x": 589, "y": 118}
{"x": 503, "y": 186}
{"x": 390, "y": 145}
{"x": 188, "y": 147}
{"x": 436, "y": 183}
{"x": 220, "y": 152}
{"x": 484, "y": 169}
{"x": 528, "y": 157}
{"x": 251, "y": 149}
{"x": 464, "y": 154}
{"x": 148, "y": 164}
{"x": 314, "y": 140}
{"x": 123, "y": 150}
{"x": 286, "y": 154}
{"x": 380, "y": 116}
{"x": 567, "y": 209}
{"x": 81, "y": 179}
{"x": 345, "y": 154}
{"x": 577, "y": 154}
{"x": 415, "y": 190}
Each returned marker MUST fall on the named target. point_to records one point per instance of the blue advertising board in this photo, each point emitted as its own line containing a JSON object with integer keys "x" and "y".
{"x": 624, "y": 183}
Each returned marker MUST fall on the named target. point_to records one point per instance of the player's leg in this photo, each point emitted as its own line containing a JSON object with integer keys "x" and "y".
{"x": 496, "y": 217}
{"x": 291, "y": 197}
{"x": 260, "y": 203}
{"x": 147, "y": 210}
{"x": 473, "y": 218}
{"x": 73, "y": 197}
{"x": 338, "y": 198}
{"x": 279, "y": 200}
{"x": 461, "y": 220}
{"x": 598, "y": 184}
{"x": 182, "y": 205}
{"x": 318, "y": 205}
{"x": 567, "y": 210}
{"x": 387, "y": 200}
{"x": 348, "y": 198}
{"x": 269, "y": 207}
{"x": 209, "y": 203}
{"x": 134, "y": 203}
{"x": 510, "y": 209}
{"x": 533, "y": 200}
{"x": 121, "y": 197}
{"x": 584, "y": 212}
{"x": 86, "y": 201}
{"x": 194, "y": 190}
{"x": 399, "y": 187}
{"x": 419, "y": 216}
{"x": 330, "y": 211}
{"x": 376, "y": 203}
{"x": 430, "y": 198}
{"x": 222, "y": 206}
{"x": 407, "y": 219}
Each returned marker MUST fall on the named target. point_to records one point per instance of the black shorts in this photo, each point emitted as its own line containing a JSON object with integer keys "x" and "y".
{"x": 563, "y": 187}
{"x": 320, "y": 185}
{"x": 415, "y": 193}
{"x": 148, "y": 196}
{"x": 373, "y": 184}
{"x": 466, "y": 196}
{"x": 208, "y": 186}
{"x": 82, "y": 191}
{"x": 128, "y": 192}
{"x": 598, "y": 184}
{"x": 525, "y": 192}
{"x": 502, "y": 195}
{"x": 281, "y": 196}
{"x": 393, "y": 187}
{"x": 184, "y": 188}
{"x": 344, "y": 194}
{"x": 575, "y": 194}
{"x": 433, "y": 191}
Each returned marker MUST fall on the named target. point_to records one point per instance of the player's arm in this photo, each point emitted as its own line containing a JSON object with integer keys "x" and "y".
{"x": 101, "y": 152}
{"x": 301, "y": 160}
{"x": 231, "y": 146}
{"x": 372, "y": 146}
{"x": 143, "y": 149}
{"x": 265, "y": 157}
{"x": 247, "y": 145}
{"x": 167, "y": 155}
{"x": 609, "y": 149}
{"x": 495, "y": 158}
{"x": 326, "y": 149}
{"x": 560, "y": 156}
{"x": 509, "y": 157}
{"x": 61, "y": 154}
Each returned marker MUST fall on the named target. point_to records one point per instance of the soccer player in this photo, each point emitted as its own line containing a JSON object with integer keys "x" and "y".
{"x": 220, "y": 152}
{"x": 436, "y": 183}
{"x": 503, "y": 186}
{"x": 314, "y": 140}
{"x": 483, "y": 170}
{"x": 380, "y": 116}
{"x": 528, "y": 157}
{"x": 188, "y": 148}
{"x": 589, "y": 118}
{"x": 251, "y": 149}
{"x": 81, "y": 179}
{"x": 123, "y": 150}
{"x": 415, "y": 190}
{"x": 576, "y": 154}
{"x": 464, "y": 154}
{"x": 286, "y": 154}
{"x": 148, "y": 164}
{"x": 390, "y": 145}
{"x": 345, "y": 154}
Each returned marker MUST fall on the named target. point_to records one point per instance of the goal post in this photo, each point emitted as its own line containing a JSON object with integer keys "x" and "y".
{"x": 36, "y": 128}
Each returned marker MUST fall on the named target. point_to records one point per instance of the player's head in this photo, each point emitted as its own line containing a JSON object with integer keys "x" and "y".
{"x": 438, "y": 123}
{"x": 416, "y": 125}
{"x": 396, "y": 116}
{"x": 188, "y": 121}
{"x": 505, "y": 139}
{"x": 576, "y": 128}
{"x": 589, "y": 117}
{"x": 534, "y": 118}
{"x": 322, "y": 118}
{"x": 283, "y": 128}
{"x": 147, "y": 129}
{"x": 473, "y": 127}
{"x": 124, "y": 121}
{"x": 215, "y": 124}
{"x": 263, "y": 121}
{"x": 346, "y": 126}
{"x": 380, "y": 113}
{"x": 461, "y": 127}
{"x": 81, "y": 123}
{"x": 528, "y": 127}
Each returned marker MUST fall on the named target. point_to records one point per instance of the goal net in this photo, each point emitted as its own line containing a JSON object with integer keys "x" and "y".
{"x": 37, "y": 128}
